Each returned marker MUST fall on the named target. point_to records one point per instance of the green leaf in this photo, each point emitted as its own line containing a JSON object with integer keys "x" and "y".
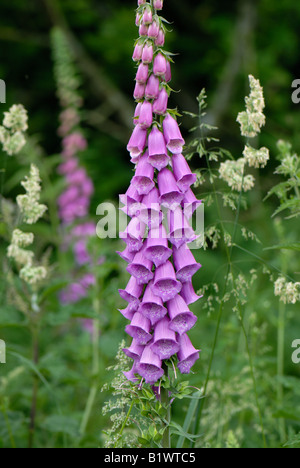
{"x": 54, "y": 288}
{"x": 189, "y": 418}
{"x": 178, "y": 430}
{"x": 33, "y": 367}
{"x": 143, "y": 442}
{"x": 288, "y": 246}
{"x": 293, "y": 205}
{"x": 294, "y": 442}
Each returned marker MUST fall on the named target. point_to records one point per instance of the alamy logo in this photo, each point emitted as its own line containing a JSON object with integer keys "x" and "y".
{"x": 2, "y": 352}
{"x": 2, "y": 92}
{"x": 186, "y": 221}
{"x": 296, "y": 353}
{"x": 296, "y": 93}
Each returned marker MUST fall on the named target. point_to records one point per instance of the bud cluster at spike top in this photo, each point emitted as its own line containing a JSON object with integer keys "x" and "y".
{"x": 160, "y": 203}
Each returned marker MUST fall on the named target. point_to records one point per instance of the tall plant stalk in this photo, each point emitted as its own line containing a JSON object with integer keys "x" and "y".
{"x": 281, "y": 343}
{"x": 35, "y": 387}
{"x": 95, "y": 371}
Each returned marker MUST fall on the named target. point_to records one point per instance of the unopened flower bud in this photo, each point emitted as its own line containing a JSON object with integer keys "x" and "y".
{"x": 137, "y": 113}
{"x": 160, "y": 40}
{"x": 143, "y": 30}
{"x": 147, "y": 54}
{"x": 168, "y": 75}
{"x": 152, "y": 88}
{"x": 153, "y": 30}
{"x": 158, "y": 4}
{"x": 142, "y": 74}
{"x": 147, "y": 16}
{"x": 137, "y": 53}
{"x": 160, "y": 105}
{"x": 146, "y": 115}
{"x": 160, "y": 65}
{"x": 139, "y": 91}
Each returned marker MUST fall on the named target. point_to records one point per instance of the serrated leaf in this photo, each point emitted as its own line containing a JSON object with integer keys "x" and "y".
{"x": 294, "y": 442}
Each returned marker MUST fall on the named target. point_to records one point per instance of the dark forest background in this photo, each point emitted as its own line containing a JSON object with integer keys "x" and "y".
{"x": 218, "y": 45}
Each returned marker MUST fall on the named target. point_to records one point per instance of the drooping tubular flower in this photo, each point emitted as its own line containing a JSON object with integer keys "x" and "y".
{"x": 160, "y": 203}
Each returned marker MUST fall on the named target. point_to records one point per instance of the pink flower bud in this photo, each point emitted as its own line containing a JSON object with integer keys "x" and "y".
{"x": 160, "y": 40}
{"x": 137, "y": 53}
{"x": 142, "y": 74}
{"x": 168, "y": 75}
{"x": 137, "y": 113}
{"x": 139, "y": 91}
{"x": 152, "y": 88}
{"x": 160, "y": 105}
{"x": 160, "y": 65}
{"x": 158, "y": 4}
{"x": 141, "y": 2}
{"x": 147, "y": 16}
{"x": 153, "y": 30}
{"x": 143, "y": 30}
{"x": 146, "y": 115}
{"x": 147, "y": 54}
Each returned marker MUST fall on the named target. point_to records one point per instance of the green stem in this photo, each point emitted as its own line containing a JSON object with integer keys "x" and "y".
{"x": 281, "y": 342}
{"x": 201, "y": 403}
{"x": 297, "y": 192}
{"x": 8, "y": 426}
{"x": 95, "y": 371}
{"x": 35, "y": 345}
{"x": 263, "y": 262}
{"x": 88, "y": 409}
{"x": 253, "y": 376}
{"x": 200, "y": 407}
{"x": 280, "y": 366}
{"x": 125, "y": 421}
{"x": 165, "y": 399}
